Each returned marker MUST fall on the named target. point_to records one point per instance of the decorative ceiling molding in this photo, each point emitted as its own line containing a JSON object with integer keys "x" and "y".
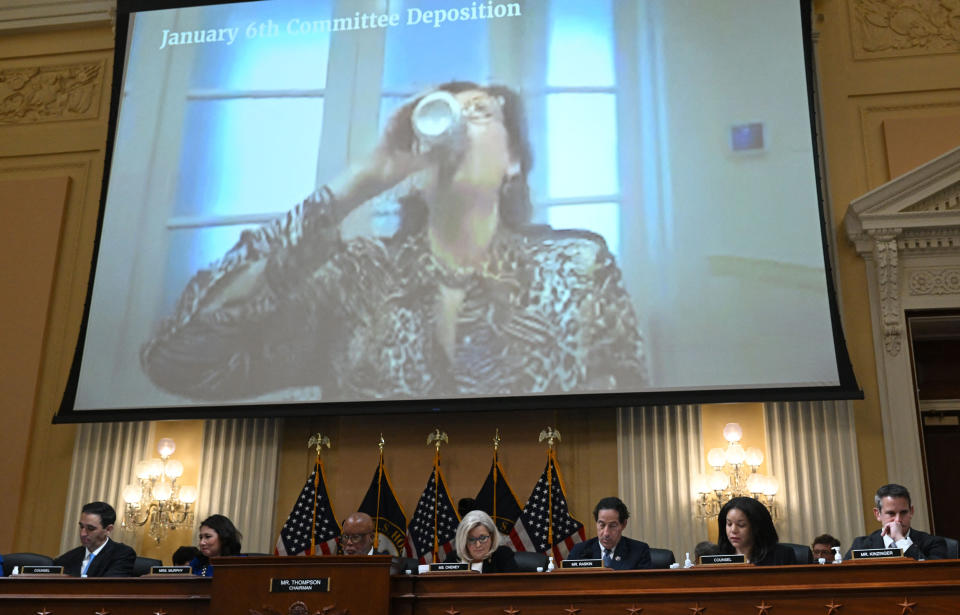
{"x": 904, "y": 28}
{"x": 38, "y": 14}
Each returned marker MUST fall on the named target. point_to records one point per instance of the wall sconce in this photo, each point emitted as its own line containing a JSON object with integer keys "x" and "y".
{"x": 157, "y": 501}
{"x": 731, "y": 478}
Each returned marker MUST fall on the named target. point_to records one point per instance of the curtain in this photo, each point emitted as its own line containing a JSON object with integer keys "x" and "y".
{"x": 104, "y": 455}
{"x": 658, "y": 449}
{"x": 238, "y": 477}
{"x": 813, "y": 452}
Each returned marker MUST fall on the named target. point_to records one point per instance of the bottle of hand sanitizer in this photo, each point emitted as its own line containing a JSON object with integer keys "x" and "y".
{"x": 686, "y": 562}
{"x": 837, "y": 558}
{"x": 550, "y": 564}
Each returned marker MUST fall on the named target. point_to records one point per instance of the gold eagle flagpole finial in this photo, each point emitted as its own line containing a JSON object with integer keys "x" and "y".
{"x": 496, "y": 440}
{"x": 318, "y": 441}
{"x": 550, "y": 434}
{"x": 437, "y": 438}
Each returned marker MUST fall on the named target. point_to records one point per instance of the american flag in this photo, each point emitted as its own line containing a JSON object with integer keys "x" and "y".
{"x": 311, "y": 528}
{"x": 435, "y": 516}
{"x": 531, "y": 532}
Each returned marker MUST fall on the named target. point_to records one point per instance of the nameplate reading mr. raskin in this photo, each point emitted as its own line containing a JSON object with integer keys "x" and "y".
{"x": 41, "y": 570}
{"x": 299, "y": 585}
{"x": 449, "y": 567}
{"x": 713, "y": 560}
{"x": 170, "y": 570}
{"x": 876, "y": 553}
{"x": 581, "y": 563}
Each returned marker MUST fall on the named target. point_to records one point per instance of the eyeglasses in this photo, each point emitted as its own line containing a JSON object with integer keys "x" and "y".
{"x": 478, "y": 539}
{"x": 483, "y": 107}
{"x": 351, "y": 538}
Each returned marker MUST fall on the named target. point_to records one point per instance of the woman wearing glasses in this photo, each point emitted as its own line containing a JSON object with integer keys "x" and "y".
{"x": 466, "y": 298}
{"x": 478, "y": 544}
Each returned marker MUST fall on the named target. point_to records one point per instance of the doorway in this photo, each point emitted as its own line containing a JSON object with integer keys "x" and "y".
{"x": 935, "y": 349}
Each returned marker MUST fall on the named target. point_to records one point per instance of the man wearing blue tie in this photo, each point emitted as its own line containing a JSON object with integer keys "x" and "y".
{"x": 616, "y": 551}
{"x": 98, "y": 556}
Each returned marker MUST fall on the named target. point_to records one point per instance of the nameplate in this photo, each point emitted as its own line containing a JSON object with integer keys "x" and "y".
{"x": 715, "y": 560}
{"x": 281, "y": 586}
{"x": 575, "y": 564}
{"x": 449, "y": 567}
{"x": 876, "y": 553}
{"x": 170, "y": 570}
{"x": 41, "y": 570}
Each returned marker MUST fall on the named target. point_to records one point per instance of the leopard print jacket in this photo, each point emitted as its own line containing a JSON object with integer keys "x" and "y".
{"x": 354, "y": 320}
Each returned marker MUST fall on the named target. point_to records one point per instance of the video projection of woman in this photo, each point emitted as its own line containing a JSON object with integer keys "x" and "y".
{"x": 467, "y": 299}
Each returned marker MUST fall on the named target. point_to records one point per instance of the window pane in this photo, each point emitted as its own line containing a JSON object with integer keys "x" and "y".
{"x": 413, "y": 57}
{"x": 285, "y": 52}
{"x": 248, "y": 155}
{"x": 601, "y": 218}
{"x": 580, "y": 44}
{"x": 191, "y": 250}
{"x": 582, "y": 145}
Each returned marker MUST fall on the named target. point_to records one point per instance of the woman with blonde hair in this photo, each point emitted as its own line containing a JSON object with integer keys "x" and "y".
{"x": 478, "y": 544}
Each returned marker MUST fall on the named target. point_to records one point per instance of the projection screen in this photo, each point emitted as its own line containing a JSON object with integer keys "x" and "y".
{"x": 609, "y": 203}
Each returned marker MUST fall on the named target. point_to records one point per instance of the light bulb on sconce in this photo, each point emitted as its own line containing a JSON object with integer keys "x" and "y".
{"x": 734, "y": 473}
{"x": 156, "y": 500}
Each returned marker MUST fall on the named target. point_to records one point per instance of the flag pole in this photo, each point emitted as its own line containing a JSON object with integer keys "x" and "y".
{"x": 318, "y": 441}
{"x": 376, "y": 520}
{"x": 496, "y": 448}
{"x": 436, "y": 437}
{"x": 550, "y": 434}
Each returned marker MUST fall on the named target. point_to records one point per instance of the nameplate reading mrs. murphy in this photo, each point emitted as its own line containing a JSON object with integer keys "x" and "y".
{"x": 876, "y": 553}
{"x": 170, "y": 570}
{"x": 575, "y": 564}
{"x": 714, "y": 560}
{"x": 299, "y": 585}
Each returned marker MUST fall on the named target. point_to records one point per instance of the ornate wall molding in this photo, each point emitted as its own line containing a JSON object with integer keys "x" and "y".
{"x": 885, "y": 255}
{"x": 945, "y": 200}
{"x": 944, "y": 281}
{"x": 35, "y": 14}
{"x": 33, "y": 94}
{"x": 904, "y": 27}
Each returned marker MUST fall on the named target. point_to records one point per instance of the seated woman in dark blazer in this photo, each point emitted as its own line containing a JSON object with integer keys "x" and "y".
{"x": 217, "y": 536}
{"x": 478, "y": 543}
{"x": 745, "y": 527}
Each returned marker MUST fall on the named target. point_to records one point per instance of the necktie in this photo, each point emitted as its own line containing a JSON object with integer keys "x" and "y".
{"x": 86, "y": 566}
{"x": 607, "y": 558}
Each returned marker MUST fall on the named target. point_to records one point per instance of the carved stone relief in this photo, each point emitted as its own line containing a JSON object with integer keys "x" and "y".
{"x": 883, "y": 28}
{"x": 51, "y": 93}
{"x": 886, "y": 258}
{"x": 944, "y": 281}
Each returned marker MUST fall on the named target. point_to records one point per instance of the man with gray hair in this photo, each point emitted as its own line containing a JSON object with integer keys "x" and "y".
{"x": 894, "y": 511}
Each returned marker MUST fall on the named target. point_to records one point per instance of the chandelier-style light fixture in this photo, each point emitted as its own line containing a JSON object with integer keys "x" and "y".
{"x": 734, "y": 474}
{"x": 157, "y": 501}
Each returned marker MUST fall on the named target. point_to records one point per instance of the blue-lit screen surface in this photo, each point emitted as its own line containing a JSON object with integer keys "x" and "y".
{"x": 228, "y": 116}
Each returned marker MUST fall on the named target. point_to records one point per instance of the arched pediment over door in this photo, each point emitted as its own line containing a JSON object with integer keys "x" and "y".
{"x": 908, "y": 232}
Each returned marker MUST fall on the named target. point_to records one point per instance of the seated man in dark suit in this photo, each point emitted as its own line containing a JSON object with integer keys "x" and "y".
{"x": 616, "y": 551}
{"x": 894, "y": 511}
{"x": 356, "y": 536}
{"x": 98, "y": 556}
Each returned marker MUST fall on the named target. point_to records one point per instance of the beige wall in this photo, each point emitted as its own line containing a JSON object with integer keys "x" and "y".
{"x": 873, "y": 75}
{"x": 873, "y": 102}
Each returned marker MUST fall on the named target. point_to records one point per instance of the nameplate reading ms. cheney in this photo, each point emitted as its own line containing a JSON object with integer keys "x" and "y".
{"x": 876, "y": 553}
{"x": 299, "y": 585}
{"x": 449, "y": 567}
{"x": 713, "y": 560}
